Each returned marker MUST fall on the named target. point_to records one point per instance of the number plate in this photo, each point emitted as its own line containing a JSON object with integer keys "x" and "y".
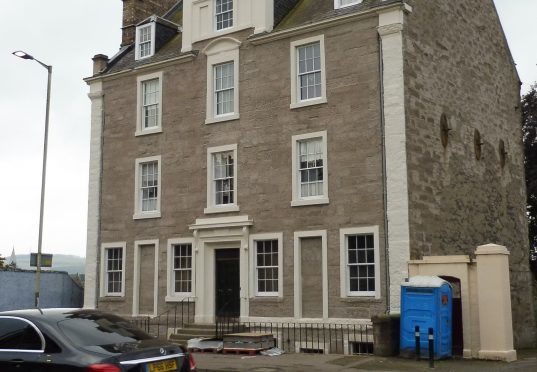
{"x": 163, "y": 366}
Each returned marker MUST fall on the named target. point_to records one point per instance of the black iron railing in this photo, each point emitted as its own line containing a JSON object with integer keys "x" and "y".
{"x": 226, "y": 322}
{"x": 322, "y": 338}
{"x": 292, "y": 337}
{"x": 159, "y": 326}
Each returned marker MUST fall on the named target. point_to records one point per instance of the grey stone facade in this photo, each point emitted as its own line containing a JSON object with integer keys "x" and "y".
{"x": 461, "y": 69}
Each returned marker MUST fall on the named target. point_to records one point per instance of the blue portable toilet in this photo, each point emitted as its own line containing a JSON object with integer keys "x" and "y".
{"x": 426, "y": 301}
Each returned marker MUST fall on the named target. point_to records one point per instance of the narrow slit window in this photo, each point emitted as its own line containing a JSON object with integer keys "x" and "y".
{"x": 223, "y": 178}
{"x": 149, "y": 186}
{"x": 310, "y": 167}
{"x": 144, "y": 41}
{"x": 309, "y": 71}
{"x": 224, "y": 88}
{"x": 114, "y": 270}
{"x": 150, "y": 104}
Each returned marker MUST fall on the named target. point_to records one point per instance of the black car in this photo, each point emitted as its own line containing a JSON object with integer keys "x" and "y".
{"x": 70, "y": 340}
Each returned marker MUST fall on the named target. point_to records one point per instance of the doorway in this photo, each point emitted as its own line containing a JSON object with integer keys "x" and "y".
{"x": 456, "y": 331}
{"x": 227, "y": 282}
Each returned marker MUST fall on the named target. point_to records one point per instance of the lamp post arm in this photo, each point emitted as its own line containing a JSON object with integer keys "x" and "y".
{"x": 49, "y": 68}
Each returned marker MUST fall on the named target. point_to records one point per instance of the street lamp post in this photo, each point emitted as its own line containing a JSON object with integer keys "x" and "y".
{"x": 24, "y": 55}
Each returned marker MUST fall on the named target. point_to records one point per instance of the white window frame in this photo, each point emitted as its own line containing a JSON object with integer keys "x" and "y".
{"x": 171, "y": 295}
{"x": 216, "y": 57}
{"x": 138, "y": 214}
{"x": 137, "y": 56}
{"x": 140, "y": 131}
{"x": 104, "y": 263}
{"x": 296, "y": 102}
{"x": 215, "y": 18}
{"x": 312, "y": 200}
{"x": 338, "y": 3}
{"x": 343, "y": 263}
{"x": 253, "y": 264}
{"x": 211, "y": 206}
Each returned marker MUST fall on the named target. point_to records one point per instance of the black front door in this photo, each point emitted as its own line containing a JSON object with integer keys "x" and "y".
{"x": 227, "y": 285}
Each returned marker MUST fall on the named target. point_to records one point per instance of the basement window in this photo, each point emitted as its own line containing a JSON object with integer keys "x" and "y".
{"x": 361, "y": 348}
{"x": 309, "y": 350}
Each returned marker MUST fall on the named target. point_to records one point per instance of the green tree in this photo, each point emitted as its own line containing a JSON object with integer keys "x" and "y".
{"x": 529, "y": 131}
{"x": 2, "y": 262}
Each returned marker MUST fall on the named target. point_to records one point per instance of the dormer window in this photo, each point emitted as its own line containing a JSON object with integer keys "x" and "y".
{"x": 145, "y": 41}
{"x": 344, "y": 3}
{"x": 223, "y": 14}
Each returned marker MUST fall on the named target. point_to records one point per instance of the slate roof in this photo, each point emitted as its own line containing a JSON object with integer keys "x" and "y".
{"x": 311, "y": 11}
{"x": 287, "y": 14}
{"x": 282, "y": 8}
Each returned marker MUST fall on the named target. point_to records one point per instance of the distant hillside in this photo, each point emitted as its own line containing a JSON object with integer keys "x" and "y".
{"x": 60, "y": 262}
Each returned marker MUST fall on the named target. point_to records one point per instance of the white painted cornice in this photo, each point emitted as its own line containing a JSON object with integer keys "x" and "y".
{"x": 142, "y": 69}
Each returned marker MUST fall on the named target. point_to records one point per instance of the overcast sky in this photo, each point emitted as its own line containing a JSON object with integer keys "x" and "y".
{"x": 66, "y": 34}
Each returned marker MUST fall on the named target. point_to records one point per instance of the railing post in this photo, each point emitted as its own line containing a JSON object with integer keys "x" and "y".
{"x": 431, "y": 348}
{"x": 418, "y": 345}
{"x": 167, "y": 323}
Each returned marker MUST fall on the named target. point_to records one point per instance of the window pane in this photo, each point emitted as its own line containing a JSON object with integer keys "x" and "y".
{"x": 371, "y": 284}
{"x": 16, "y": 334}
{"x": 370, "y": 256}
{"x": 353, "y": 256}
{"x": 353, "y": 285}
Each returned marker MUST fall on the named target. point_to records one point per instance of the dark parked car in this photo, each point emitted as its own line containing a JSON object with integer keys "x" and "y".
{"x": 70, "y": 340}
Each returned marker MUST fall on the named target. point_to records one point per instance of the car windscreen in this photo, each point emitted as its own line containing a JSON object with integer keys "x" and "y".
{"x": 98, "y": 330}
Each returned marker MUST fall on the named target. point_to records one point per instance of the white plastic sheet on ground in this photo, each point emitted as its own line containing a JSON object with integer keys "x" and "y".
{"x": 205, "y": 343}
{"x": 275, "y": 351}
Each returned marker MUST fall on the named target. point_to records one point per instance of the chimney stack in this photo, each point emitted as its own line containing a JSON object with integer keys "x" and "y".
{"x": 100, "y": 61}
{"x": 135, "y": 11}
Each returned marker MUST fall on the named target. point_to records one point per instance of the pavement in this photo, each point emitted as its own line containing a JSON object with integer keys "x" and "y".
{"x": 210, "y": 362}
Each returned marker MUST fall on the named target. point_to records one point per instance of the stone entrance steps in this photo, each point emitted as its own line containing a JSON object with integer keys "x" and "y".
{"x": 190, "y": 331}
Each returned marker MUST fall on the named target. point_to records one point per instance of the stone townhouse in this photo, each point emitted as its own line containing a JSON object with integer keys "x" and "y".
{"x": 283, "y": 160}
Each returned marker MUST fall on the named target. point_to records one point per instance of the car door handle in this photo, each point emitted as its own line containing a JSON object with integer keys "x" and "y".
{"x": 16, "y": 361}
